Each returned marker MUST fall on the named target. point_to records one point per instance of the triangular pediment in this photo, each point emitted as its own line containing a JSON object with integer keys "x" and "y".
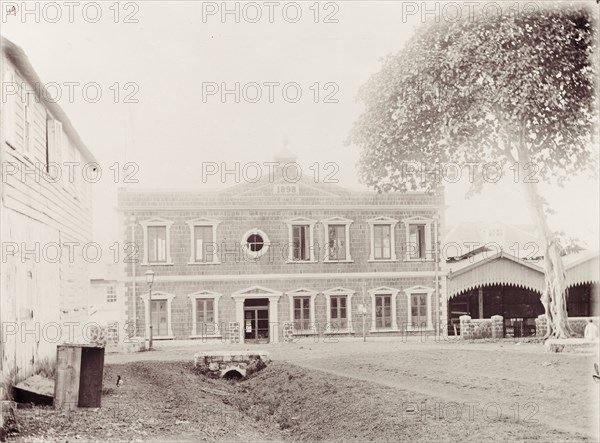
{"x": 383, "y": 290}
{"x": 300, "y": 221}
{"x": 203, "y": 221}
{"x": 286, "y": 187}
{"x": 418, "y": 289}
{"x": 301, "y": 291}
{"x": 339, "y": 290}
{"x": 417, "y": 219}
{"x": 257, "y": 292}
{"x": 204, "y": 293}
{"x": 156, "y": 221}
{"x": 382, "y": 220}
{"x": 158, "y": 295}
{"x": 337, "y": 220}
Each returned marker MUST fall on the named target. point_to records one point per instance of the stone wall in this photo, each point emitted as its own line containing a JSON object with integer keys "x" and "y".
{"x": 471, "y": 329}
{"x": 577, "y": 325}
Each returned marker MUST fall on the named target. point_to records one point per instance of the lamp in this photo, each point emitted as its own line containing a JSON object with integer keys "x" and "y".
{"x": 149, "y": 277}
{"x": 150, "y": 280}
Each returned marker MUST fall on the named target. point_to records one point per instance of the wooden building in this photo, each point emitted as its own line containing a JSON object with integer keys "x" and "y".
{"x": 45, "y": 215}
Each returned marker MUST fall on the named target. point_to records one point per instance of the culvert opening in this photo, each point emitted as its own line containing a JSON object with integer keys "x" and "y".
{"x": 233, "y": 374}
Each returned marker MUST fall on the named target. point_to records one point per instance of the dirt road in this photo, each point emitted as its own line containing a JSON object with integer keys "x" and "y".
{"x": 381, "y": 390}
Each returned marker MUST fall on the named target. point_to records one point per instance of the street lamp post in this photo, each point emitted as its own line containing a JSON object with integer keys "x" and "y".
{"x": 150, "y": 280}
{"x": 132, "y": 219}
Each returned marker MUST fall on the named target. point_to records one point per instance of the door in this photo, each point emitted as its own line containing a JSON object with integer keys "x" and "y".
{"x": 256, "y": 324}
{"x": 302, "y": 313}
{"x": 160, "y": 326}
{"x": 419, "y": 310}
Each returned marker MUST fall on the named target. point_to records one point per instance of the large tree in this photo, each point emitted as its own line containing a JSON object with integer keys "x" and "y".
{"x": 519, "y": 91}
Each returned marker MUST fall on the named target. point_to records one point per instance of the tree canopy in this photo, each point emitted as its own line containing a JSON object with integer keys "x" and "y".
{"x": 476, "y": 89}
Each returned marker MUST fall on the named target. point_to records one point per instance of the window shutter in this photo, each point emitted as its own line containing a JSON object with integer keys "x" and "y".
{"x": 428, "y": 243}
{"x": 199, "y": 249}
{"x": 413, "y": 245}
{"x": 55, "y": 142}
{"x": 28, "y": 122}
{"x": 10, "y": 110}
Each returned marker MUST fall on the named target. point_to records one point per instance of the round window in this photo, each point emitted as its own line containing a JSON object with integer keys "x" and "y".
{"x": 255, "y": 242}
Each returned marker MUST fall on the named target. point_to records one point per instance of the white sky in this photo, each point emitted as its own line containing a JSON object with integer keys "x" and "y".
{"x": 170, "y": 131}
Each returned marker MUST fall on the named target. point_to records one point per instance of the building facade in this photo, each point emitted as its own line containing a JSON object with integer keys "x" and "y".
{"x": 107, "y": 303}
{"x": 45, "y": 213}
{"x": 274, "y": 253}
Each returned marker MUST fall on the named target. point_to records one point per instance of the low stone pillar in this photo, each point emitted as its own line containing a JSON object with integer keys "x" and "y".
{"x": 497, "y": 326}
{"x": 234, "y": 332}
{"x": 466, "y": 330}
{"x": 288, "y": 332}
{"x": 540, "y": 325}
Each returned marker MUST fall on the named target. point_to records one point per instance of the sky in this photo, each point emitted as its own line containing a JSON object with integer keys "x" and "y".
{"x": 156, "y": 64}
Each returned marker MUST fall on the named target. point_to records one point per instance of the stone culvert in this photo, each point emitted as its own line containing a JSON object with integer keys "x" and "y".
{"x": 230, "y": 364}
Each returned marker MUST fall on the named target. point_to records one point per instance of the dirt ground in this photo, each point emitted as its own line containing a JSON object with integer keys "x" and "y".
{"x": 381, "y": 390}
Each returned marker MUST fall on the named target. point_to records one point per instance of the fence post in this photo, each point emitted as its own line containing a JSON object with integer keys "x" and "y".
{"x": 540, "y": 325}
{"x": 497, "y": 326}
{"x": 466, "y": 331}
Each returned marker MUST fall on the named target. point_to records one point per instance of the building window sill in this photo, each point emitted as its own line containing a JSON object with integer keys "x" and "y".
{"x": 428, "y": 329}
{"x": 383, "y": 260}
{"x": 338, "y": 261}
{"x": 300, "y": 262}
{"x": 299, "y": 333}
{"x": 164, "y": 337}
{"x": 206, "y": 336}
{"x": 384, "y": 330}
{"x": 204, "y": 263}
{"x": 157, "y": 264}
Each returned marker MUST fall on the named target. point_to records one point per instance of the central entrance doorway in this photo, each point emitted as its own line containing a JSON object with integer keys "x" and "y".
{"x": 256, "y": 320}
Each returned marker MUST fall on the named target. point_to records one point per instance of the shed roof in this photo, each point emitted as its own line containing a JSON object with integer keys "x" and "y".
{"x": 502, "y": 268}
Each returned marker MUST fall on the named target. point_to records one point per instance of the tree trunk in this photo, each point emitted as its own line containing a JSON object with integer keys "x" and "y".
{"x": 554, "y": 297}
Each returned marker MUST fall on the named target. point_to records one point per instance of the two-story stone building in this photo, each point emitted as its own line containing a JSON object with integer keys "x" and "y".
{"x": 264, "y": 254}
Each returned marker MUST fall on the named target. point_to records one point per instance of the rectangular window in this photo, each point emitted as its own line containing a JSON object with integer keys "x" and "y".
{"x": 205, "y": 313}
{"x": 383, "y": 311}
{"x": 417, "y": 241}
{"x": 300, "y": 242}
{"x": 418, "y": 310}
{"x": 203, "y": 244}
{"x": 157, "y": 244}
{"x": 160, "y": 326}
{"x": 382, "y": 236}
{"x": 337, "y": 242}
{"x": 339, "y": 318}
{"x": 302, "y": 313}
{"x": 111, "y": 294}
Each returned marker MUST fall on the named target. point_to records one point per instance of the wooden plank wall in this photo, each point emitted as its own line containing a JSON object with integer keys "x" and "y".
{"x": 35, "y": 291}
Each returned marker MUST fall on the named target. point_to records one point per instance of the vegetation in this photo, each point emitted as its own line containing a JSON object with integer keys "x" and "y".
{"x": 519, "y": 92}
